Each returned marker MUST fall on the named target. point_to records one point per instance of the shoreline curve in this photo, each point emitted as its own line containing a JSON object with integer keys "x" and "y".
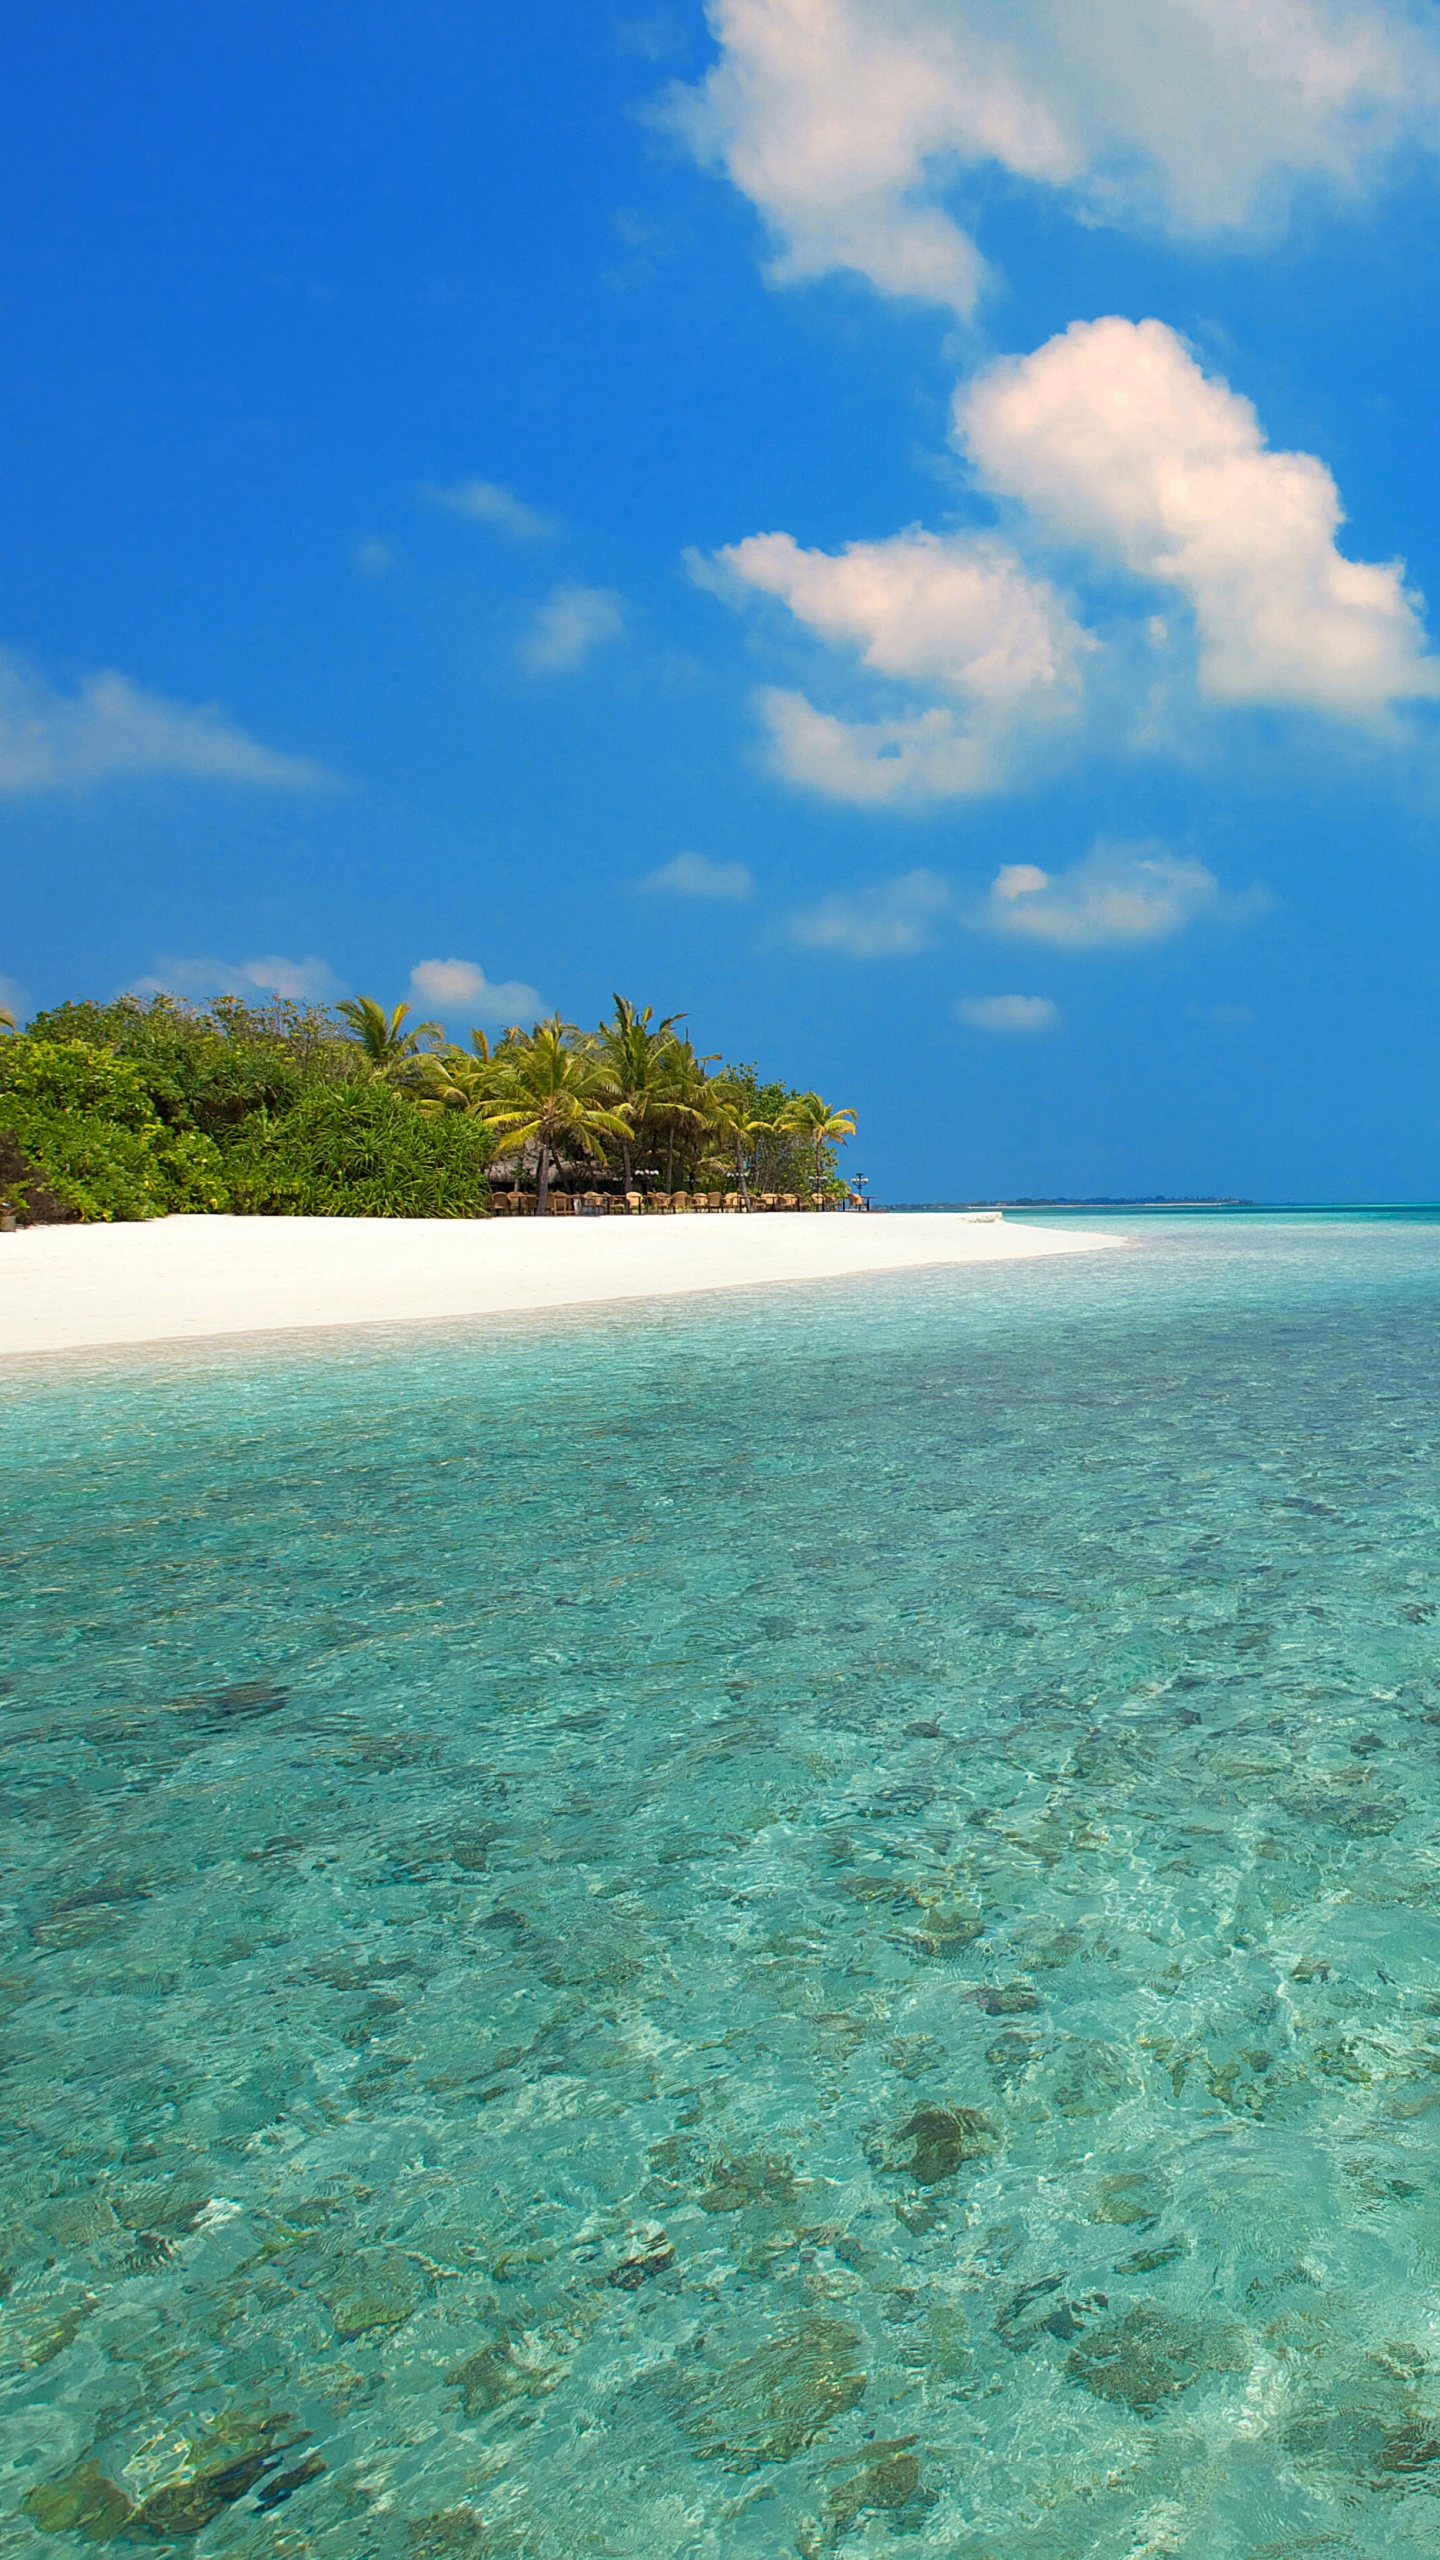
{"x": 190, "y": 1279}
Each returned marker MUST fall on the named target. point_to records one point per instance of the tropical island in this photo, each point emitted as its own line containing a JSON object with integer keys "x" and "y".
{"x": 138, "y": 1109}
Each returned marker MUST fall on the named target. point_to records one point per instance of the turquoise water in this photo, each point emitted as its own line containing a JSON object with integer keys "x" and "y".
{"x": 793, "y": 1924}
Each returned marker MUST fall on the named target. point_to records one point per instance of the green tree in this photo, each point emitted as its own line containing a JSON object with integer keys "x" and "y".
{"x": 453, "y": 1081}
{"x": 81, "y": 1138}
{"x": 732, "y": 1122}
{"x": 636, "y": 1058}
{"x": 808, "y": 1117}
{"x": 554, "y": 1096}
{"x": 211, "y": 1068}
{"x": 391, "y": 1050}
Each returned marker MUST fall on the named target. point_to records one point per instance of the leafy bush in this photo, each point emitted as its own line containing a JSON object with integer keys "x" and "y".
{"x": 211, "y": 1069}
{"x": 361, "y": 1151}
{"x": 81, "y": 1138}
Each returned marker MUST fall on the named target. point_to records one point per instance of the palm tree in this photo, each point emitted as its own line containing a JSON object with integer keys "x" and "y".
{"x": 680, "y": 1104}
{"x": 726, "y": 1109}
{"x": 805, "y": 1115}
{"x": 634, "y": 1061}
{"x": 455, "y": 1082}
{"x": 551, "y": 1092}
{"x": 390, "y": 1050}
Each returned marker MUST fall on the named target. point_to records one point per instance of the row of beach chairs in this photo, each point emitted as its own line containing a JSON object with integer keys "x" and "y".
{"x": 599, "y": 1204}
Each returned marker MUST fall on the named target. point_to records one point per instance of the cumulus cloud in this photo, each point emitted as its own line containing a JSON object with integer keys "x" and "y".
{"x": 1111, "y": 437}
{"x": 571, "y": 624}
{"x": 485, "y": 502}
{"x": 847, "y": 122}
{"x": 957, "y": 611}
{"x": 1118, "y": 894}
{"x": 954, "y": 614}
{"x": 1115, "y": 451}
{"x": 309, "y": 981}
{"x": 928, "y": 755}
{"x": 693, "y": 875}
{"x": 881, "y": 923}
{"x": 457, "y": 987}
{"x": 55, "y": 741}
{"x": 1008, "y": 1013}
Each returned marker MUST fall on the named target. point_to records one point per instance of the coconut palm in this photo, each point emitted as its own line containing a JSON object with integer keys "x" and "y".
{"x": 390, "y": 1050}
{"x": 805, "y": 1115}
{"x": 550, "y": 1093}
{"x": 679, "y": 1107}
{"x": 732, "y": 1123}
{"x": 634, "y": 1055}
{"x": 454, "y": 1081}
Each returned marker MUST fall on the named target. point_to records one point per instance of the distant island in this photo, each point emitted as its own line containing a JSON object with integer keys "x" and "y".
{"x": 1100, "y": 1200}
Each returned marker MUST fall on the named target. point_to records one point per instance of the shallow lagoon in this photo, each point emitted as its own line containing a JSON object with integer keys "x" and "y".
{"x": 798, "y": 1924}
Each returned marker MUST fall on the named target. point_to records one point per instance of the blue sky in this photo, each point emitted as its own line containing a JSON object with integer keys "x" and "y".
{"x": 900, "y": 527}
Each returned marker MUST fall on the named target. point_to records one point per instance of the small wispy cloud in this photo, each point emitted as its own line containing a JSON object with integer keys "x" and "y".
{"x": 486, "y": 502}
{"x": 373, "y": 559}
{"x": 570, "y": 626}
{"x": 460, "y": 987}
{"x": 651, "y": 37}
{"x": 693, "y": 875}
{"x": 309, "y": 981}
{"x": 881, "y": 923}
{"x": 109, "y": 728}
{"x": 1008, "y": 1013}
{"x": 1118, "y": 894}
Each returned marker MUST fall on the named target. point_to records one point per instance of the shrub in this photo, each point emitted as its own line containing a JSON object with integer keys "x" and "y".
{"x": 80, "y": 1138}
{"x": 211, "y": 1069}
{"x": 361, "y": 1151}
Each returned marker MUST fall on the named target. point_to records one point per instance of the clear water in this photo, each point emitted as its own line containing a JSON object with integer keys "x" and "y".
{"x": 784, "y": 1925}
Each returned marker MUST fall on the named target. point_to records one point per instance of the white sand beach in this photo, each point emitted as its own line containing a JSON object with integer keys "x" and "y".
{"x": 186, "y": 1279}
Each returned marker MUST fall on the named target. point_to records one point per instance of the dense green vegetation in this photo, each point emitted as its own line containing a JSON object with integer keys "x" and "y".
{"x": 133, "y": 1109}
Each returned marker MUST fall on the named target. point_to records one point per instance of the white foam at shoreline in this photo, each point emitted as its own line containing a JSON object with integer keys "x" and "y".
{"x": 183, "y": 1279}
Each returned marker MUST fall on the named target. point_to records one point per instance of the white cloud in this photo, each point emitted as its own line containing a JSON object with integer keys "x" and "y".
{"x": 882, "y": 923}
{"x": 1110, "y": 436}
{"x": 1008, "y": 1013}
{"x": 309, "y": 981}
{"x": 54, "y": 741}
{"x": 929, "y": 755}
{"x": 1118, "y": 894}
{"x": 373, "y": 559}
{"x": 485, "y": 502}
{"x": 693, "y": 875}
{"x": 957, "y": 611}
{"x": 957, "y": 614}
{"x": 570, "y": 625}
{"x": 461, "y": 987}
{"x": 847, "y": 121}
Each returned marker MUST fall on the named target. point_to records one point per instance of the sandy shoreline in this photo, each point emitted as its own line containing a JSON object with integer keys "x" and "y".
{"x": 186, "y": 1279}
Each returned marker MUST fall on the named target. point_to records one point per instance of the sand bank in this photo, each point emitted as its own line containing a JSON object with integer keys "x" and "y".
{"x": 183, "y": 1279}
